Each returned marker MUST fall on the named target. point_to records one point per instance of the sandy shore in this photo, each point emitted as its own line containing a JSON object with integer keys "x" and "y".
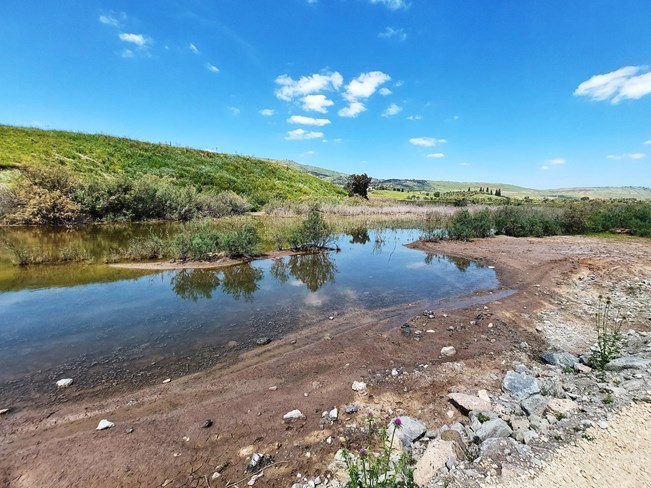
{"x": 313, "y": 370}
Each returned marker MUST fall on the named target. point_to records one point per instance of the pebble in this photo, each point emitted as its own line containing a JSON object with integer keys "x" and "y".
{"x": 104, "y": 424}
{"x": 448, "y": 351}
{"x": 206, "y": 424}
{"x": 273, "y": 388}
{"x": 263, "y": 341}
{"x": 293, "y": 415}
{"x": 359, "y": 386}
{"x": 4, "y": 411}
{"x": 65, "y": 383}
{"x": 167, "y": 380}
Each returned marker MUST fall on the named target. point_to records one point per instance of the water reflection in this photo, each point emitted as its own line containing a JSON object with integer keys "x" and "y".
{"x": 462, "y": 264}
{"x": 314, "y": 270}
{"x": 193, "y": 284}
{"x": 359, "y": 236}
{"x": 241, "y": 281}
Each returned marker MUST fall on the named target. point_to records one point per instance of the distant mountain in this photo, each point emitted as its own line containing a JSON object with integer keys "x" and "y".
{"x": 638, "y": 192}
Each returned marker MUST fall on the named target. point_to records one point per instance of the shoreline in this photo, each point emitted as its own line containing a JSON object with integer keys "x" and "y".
{"x": 313, "y": 369}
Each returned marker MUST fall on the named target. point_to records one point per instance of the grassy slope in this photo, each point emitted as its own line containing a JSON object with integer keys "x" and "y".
{"x": 89, "y": 155}
{"x": 513, "y": 191}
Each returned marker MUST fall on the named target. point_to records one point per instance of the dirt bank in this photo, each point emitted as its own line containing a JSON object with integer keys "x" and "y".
{"x": 557, "y": 280}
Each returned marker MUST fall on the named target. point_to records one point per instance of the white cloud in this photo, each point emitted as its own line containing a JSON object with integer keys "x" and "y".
{"x": 415, "y": 117}
{"x": 399, "y": 83}
{"x": 426, "y": 141}
{"x": 555, "y": 162}
{"x": 365, "y": 85}
{"x": 629, "y": 82}
{"x": 112, "y": 20}
{"x": 392, "y": 4}
{"x": 127, "y": 53}
{"x": 137, "y": 39}
{"x": 392, "y": 109}
{"x": 234, "y": 110}
{"x": 267, "y": 112}
{"x": 385, "y": 91}
{"x": 316, "y": 103}
{"x": 544, "y": 168}
{"x": 212, "y": 68}
{"x": 352, "y": 110}
{"x": 634, "y": 156}
{"x": 193, "y": 48}
{"x": 465, "y": 164}
{"x": 300, "y": 134}
{"x": 647, "y": 142}
{"x": 301, "y": 119}
{"x": 435, "y": 155}
{"x": 456, "y": 117}
{"x": 390, "y": 32}
{"x": 290, "y": 88}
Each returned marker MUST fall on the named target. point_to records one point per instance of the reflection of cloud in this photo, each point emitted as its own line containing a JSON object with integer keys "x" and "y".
{"x": 316, "y": 299}
{"x": 349, "y": 293}
{"x": 416, "y": 265}
{"x": 296, "y": 283}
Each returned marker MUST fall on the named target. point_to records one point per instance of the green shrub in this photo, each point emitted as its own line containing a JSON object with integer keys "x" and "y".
{"x": 313, "y": 233}
{"x": 609, "y": 337}
{"x": 466, "y": 225}
{"x": 197, "y": 241}
{"x": 243, "y": 240}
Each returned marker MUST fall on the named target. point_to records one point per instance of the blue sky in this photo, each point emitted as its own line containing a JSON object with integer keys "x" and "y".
{"x": 539, "y": 93}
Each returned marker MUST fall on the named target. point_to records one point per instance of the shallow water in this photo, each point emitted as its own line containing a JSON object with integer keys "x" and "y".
{"x": 123, "y": 321}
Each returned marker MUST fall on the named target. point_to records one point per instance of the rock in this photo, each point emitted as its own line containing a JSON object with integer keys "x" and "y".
{"x": 273, "y": 388}
{"x": 448, "y": 351}
{"x": 466, "y": 403}
{"x": 4, "y": 411}
{"x": 453, "y": 436}
{"x": 582, "y": 368}
{"x": 409, "y": 431}
{"x": 559, "y": 407}
{"x": 256, "y": 462}
{"x": 539, "y": 424}
{"x": 359, "y": 386}
{"x": 263, "y": 341}
{"x": 492, "y": 429}
{"x": 519, "y": 424}
{"x": 483, "y": 395}
{"x": 293, "y": 415}
{"x": 350, "y": 409}
{"x": 529, "y": 436}
{"x": 628, "y": 362}
{"x": 435, "y": 457}
{"x": 534, "y": 405}
{"x": 65, "y": 383}
{"x": 104, "y": 424}
{"x": 333, "y": 414}
{"x": 564, "y": 359}
{"x": 167, "y": 380}
{"x": 129, "y": 430}
{"x": 603, "y": 424}
{"x": 520, "y": 385}
{"x": 206, "y": 424}
{"x": 255, "y": 478}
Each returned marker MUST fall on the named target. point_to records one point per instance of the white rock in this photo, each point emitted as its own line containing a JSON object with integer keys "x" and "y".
{"x": 359, "y": 386}
{"x": 483, "y": 394}
{"x": 167, "y": 380}
{"x": 65, "y": 383}
{"x": 104, "y": 424}
{"x": 255, "y": 478}
{"x": 215, "y": 475}
{"x": 334, "y": 413}
{"x": 293, "y": 415}
{"x": 448, "y": 351}
{"x": 4, "y": 411}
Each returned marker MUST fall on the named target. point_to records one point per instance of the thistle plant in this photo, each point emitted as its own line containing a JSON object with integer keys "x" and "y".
{"x": 609, "y": 336}
{"x": 371, "y": 469}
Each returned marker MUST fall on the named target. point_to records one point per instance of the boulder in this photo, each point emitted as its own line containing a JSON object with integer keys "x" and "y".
{"x": 104, "y": 424}
{"x": 564, "y": 359}
{"x": 467, "y": 403}
{"x": 409, "y": 431}
{"x": 534, "y": 405}
{"x": 520, "y": 385}
{"x": 557, "y": 406}
{"x": 359, "y": 386}
{"x": 448, "y": 351}
{"x": 494, "y": 428}
{"x": 293, "y": 415}
{"x": 628, "y": 362}
{"x": 435, "y": 457}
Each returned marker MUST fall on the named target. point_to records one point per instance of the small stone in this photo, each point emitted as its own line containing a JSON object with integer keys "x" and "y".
{"x": 534, "y": 405}
{"x": 629, "y": 362}
{"x": 255, "y": 478}
{"x": 448, "y": 351}
{"x": 206, "y": 424}
{"x": 494, "y": 428}
{"x": 520, "y": 385}
{"x": 4, "y": 411}
{"x": 557, "y": 406}
{"x": 129, "y": 431}
{"x": 215, "y": 475}
{"x": 263, "y": 341}
{"x": 333, "y": 414}
{"x": 559, "y": 358}
{"x": 581, "y": 368}
{"x": 331, "y": 318}
{"x": 65, "y": 382}
{"x": 410, "y": 430}
{"x": 293, "y": 415}
{"x": 394, "y": 372}
{"x": 273, "y": 388}
{"x": 167, "y": 380}
{"x": 186, "y": 438}
{"x": 359, "y": 386}
{"x": 483, "y": 394}
{"x": 104, "y": 424}
{"x": 466, "y": 403}
{"x": 603, "y": 424}
{"x": 350, "y": 409}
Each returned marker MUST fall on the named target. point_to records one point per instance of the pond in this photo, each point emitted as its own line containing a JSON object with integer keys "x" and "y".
{"x": 103, "y": 325}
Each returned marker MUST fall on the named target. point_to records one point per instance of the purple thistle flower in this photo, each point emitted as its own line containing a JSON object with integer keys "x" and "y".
{"x": 397, "y": 422}
{"x": 362, "y": 452}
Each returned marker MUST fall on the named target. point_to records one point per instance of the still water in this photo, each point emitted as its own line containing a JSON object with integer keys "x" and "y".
{"x": 124, "y": 320}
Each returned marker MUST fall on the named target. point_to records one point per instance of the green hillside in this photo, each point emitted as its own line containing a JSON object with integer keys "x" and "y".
{"x": 513, "y": 191}
{"x": 89, "y": 155}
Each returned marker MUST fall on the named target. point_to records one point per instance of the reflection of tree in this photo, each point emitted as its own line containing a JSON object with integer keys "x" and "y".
{"x": 194, "y": 284}
{"x": 313, "y": 269}
{"x": 462, "y": 264}
{"x": 359, "y": 236}
{"x": 280, "y": 270}
{"x": 241, "y": 281}
{"x": 429, "y": 258}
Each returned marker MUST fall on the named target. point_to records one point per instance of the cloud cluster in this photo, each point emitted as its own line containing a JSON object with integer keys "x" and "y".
{"x": 435, "y": 155}
{"x": 361, "y": 88}
{"x": 426, "y": 141}
{"x": 291, "y": 89}
{"x": 549, "y": 163}
{"x": 301, "y": 119}
{"x": 392, "y": 4}
{"x": 391, "y": 33}
{"x": 634, "y": 156}
{"x": 629, "y": 82}
{"x": 392, "y": 109}
{"x": 300, "y": 134}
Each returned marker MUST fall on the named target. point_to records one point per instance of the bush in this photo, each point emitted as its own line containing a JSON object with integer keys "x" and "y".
{"x": 243, "y": 240}
{"x": 198, "y": 241}
{"x": 609, "y": 337}
{"x": 313, "y": 233}
{"x": 466, "y": 225}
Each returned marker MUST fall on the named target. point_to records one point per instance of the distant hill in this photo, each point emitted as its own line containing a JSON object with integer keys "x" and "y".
{"x": 514, "y": 191}
{"x": 90, "y": 155}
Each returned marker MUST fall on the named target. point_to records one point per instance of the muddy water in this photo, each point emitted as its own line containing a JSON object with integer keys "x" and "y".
{"x": 111, "y": 328}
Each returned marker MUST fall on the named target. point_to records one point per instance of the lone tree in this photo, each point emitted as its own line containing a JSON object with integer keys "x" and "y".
{"x": 358, "y": 185}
